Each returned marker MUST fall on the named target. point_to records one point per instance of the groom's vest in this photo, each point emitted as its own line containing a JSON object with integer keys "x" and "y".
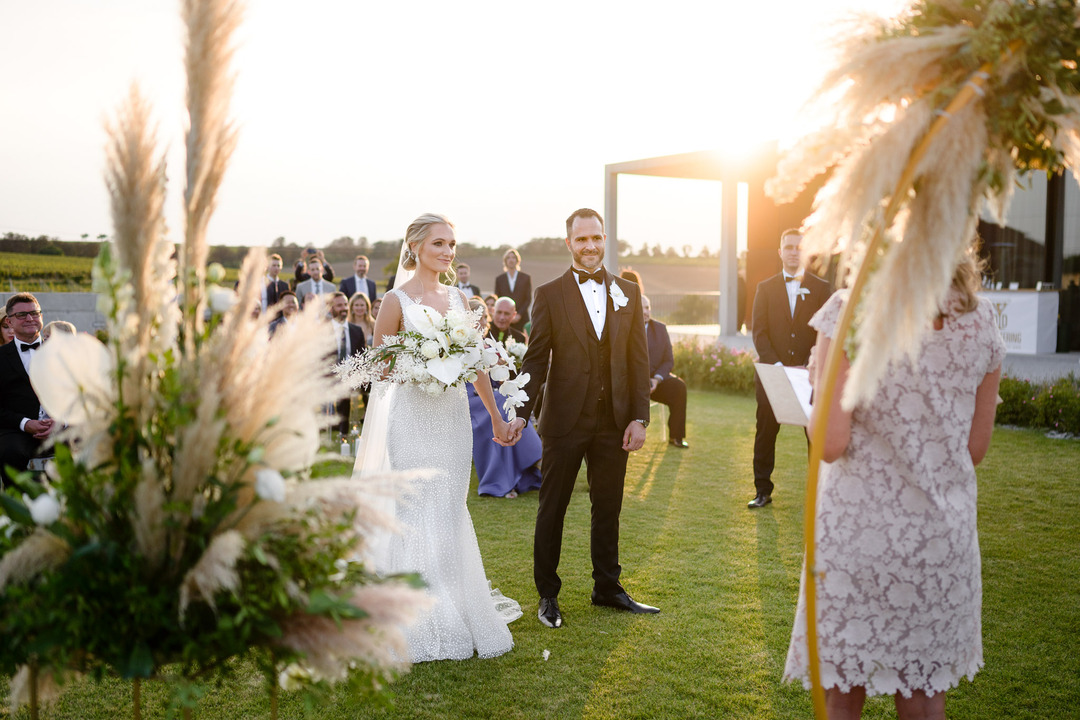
{"x": 598, "y": 394}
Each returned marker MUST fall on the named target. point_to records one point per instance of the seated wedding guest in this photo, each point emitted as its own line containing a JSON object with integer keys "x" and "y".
{"x": 21, "y": 431}
{"x": 57, "y": 326}
{"x": 316, "y": 284}
{"x": 515, "y": 284}
{"x": 289, "y": 307}
{"x": 360, "y": 315}
{"x": 301, "y": 272}
{"x": 359, "y": 280}
{"x": 664, "y": 387}
{"x": 274, "y": 286}
{"x": 502, "y": 471}
{"x": 490, "y": 299}
{"x": 7, "y": 332}
{"x": 350, "y": 342}
{"x": 502, "y": 320}
{"x": 463, "y": 275}
{"x": 899, "y": 603}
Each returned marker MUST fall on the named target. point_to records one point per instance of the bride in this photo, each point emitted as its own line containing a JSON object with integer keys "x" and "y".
{"x": 434, "y": 433}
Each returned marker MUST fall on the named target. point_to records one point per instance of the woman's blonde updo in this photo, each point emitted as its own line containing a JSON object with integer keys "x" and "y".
{"x": 417, "y": 235}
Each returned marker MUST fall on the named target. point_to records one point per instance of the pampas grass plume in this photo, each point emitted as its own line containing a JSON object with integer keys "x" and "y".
{"x": 39, "y": 552}
{"x": 215, "y": 570}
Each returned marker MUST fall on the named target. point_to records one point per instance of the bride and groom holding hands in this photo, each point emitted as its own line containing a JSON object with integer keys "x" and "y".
{"x": 588, "y": 342}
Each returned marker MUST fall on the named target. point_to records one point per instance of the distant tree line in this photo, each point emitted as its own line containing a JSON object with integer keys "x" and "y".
{"x": 339, "y": 249}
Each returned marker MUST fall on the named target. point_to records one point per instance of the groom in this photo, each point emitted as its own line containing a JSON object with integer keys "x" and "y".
{"x": 588, "y": 342}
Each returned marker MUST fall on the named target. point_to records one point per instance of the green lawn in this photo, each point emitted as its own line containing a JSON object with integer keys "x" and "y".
{"x": 726, "y": 579}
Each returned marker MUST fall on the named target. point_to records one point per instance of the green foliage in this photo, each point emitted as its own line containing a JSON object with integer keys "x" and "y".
{"x": 714, "y": 368}
{"x": 22, "y": 268}
{"x": 1051, "y": 406}
{"x": 695, "y": 309}
{"x": 1020, "y": 104}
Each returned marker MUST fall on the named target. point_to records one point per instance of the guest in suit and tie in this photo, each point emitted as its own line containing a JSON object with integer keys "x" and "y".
{"x": 783, "y": 306}
{"x": 664, "y": 387}
{"x": 359, "y": 281}
{"x": 502, "y": 328}
{"x": 464, "y": 273}
{"x": 290, "y": 305}
{"x": 275, "y": 286}
{"x": 21, "y": 430}
{"x": 516, "y": 284}
{"x": 315, "y": 285}
{"x": 301, "y": 271}
{"x": 588, "y": 342}
{"x": 350, "y": 339}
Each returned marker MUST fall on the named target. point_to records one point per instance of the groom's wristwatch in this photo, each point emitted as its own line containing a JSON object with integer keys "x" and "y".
{"x": 644, "y": 423}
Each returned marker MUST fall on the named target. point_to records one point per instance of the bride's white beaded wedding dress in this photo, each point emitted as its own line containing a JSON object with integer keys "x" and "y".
{"x": 434, "y": 433}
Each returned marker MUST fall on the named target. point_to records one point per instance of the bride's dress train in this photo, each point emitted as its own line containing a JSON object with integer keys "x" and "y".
{"x": 434, "y": 433}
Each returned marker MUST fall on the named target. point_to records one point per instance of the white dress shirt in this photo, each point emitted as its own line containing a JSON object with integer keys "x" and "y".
{"x": 511, "y": 279}
{"x": 340, "y": 328}
{"x": 26, "y": 356}
{"x": 592, "y": 293}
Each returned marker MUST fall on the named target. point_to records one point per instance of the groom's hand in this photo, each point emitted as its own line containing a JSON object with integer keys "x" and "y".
{"x": 634, "y": 437}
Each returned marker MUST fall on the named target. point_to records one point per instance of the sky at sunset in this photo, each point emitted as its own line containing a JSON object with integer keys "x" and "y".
{"x": 357, "y": 116}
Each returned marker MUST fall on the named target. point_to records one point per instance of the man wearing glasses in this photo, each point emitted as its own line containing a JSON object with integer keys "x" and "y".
{"x": 21, "y": 432}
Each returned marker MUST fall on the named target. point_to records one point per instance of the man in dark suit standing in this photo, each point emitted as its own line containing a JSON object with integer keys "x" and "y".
{"x": 359, "y": 281}
{"x": 21, "y": 432}
{"x": 588, "y": 342}
{"x": 513, "y": 283}
{"x": 664, "y": 387}
{"x": 350, "y": 341}
{"x": 275, "y": 286}
{"x": 464, "y": 275}
{"x": 783, "y": 306}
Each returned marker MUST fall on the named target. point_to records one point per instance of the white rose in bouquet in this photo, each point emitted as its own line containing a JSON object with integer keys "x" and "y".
{"x": 430, "y": 349}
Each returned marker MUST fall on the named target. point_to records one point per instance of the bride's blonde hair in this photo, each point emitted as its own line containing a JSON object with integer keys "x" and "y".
{"x": 417, "y": 235}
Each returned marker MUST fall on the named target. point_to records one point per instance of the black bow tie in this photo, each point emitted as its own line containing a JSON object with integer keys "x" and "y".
{"x": 584, "y": 276}
{"x": 792, "y": 278}
{"x": 30, "y": 346}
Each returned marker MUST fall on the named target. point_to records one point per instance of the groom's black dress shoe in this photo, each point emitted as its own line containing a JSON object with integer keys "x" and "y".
{"x": 759, "y": 502}
{"x": 622, "y": 601}
{"x": 679, "y": 443}
{"x": 549, "y": 613}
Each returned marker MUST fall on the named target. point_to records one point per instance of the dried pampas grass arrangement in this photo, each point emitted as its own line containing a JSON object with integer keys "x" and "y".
{"x": 179, "y": 504}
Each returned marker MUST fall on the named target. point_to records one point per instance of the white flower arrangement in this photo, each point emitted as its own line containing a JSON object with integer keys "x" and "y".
{"x": 443, "y": 352}
{"x": 618, "y": 298}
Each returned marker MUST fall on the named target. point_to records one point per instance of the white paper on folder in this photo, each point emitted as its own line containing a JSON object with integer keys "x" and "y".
{"x": 788, "y": 390}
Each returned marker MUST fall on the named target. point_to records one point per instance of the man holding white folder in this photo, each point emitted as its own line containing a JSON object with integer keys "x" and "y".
{"x": 783, "y": 306}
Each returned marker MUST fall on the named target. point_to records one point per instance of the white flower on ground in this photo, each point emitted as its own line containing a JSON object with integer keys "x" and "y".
{"x": 270, "y": 485}
{"x": 44, "y": 509}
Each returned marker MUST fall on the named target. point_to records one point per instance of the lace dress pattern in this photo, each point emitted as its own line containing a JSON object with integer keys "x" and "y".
{"x": 434, "y": 433}
{"x": 900, "y": 600}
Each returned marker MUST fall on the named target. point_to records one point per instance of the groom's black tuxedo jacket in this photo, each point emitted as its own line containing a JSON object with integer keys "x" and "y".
{"x": 18, "y": 399}
{"x": 778, "y": 335}
{"x": 559, "y": 351}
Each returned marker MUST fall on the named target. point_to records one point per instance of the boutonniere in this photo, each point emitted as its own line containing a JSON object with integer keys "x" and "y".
{"x": 802, "y": 292}
{"x": 617, "y": 298}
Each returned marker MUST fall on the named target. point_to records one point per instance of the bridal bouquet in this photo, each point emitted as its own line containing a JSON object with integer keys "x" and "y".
{"x": 443, "y": 352}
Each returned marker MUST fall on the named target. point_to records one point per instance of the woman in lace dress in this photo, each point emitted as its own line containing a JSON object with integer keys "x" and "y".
{"x": 899, "y": 601}
{"x": 434, "y": 433}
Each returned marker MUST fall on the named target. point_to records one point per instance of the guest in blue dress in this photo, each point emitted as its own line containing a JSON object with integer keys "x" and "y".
{"x": 503, "y": 471}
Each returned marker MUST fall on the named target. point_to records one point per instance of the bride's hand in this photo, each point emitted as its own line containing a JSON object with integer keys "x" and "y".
{"x": 502, "y": 433}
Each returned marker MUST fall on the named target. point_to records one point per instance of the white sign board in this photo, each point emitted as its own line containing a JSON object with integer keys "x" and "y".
{"x": 1027, "y": 319}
